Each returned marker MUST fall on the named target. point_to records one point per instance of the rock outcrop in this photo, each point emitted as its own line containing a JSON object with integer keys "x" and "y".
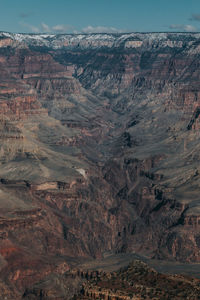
{"x": 138, "y": 281}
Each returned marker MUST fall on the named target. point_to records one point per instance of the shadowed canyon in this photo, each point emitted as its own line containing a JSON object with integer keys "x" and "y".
{"x": 99, "y": 157}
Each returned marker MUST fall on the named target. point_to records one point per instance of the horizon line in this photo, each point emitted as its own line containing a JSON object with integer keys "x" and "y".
{"x": 96, "y": 33}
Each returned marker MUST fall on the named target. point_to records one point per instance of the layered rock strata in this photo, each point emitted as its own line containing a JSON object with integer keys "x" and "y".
{"x": 99, "y": 151}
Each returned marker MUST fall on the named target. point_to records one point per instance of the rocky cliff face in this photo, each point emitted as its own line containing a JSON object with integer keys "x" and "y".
{"x": 99, "y": 151}
{"x": 138, "y": 281}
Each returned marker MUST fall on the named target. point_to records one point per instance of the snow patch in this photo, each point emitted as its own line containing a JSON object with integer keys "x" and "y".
{"x": 108, "y": 40}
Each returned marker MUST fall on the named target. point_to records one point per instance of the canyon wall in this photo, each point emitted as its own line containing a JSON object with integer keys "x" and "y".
{"x": 99, "y": 151}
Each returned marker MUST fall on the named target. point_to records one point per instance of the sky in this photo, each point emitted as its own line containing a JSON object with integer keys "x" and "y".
{"x": 86, "y": 16}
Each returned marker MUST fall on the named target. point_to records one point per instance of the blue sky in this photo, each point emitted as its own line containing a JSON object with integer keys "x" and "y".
{"x": 66, "y": 16}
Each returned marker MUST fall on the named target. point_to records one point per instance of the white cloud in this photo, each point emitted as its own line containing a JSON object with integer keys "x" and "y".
{"x": 190, "y": 28}
{"x": 181, "y": 27}
{"x": 45, "y": 27}
{"x": 30, "y": 27}
{"x": 62, "y": 28}
{"x": 101, "y": 29}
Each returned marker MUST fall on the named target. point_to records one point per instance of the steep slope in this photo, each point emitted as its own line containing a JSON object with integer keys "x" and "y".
{"x": 99, "y": 150}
